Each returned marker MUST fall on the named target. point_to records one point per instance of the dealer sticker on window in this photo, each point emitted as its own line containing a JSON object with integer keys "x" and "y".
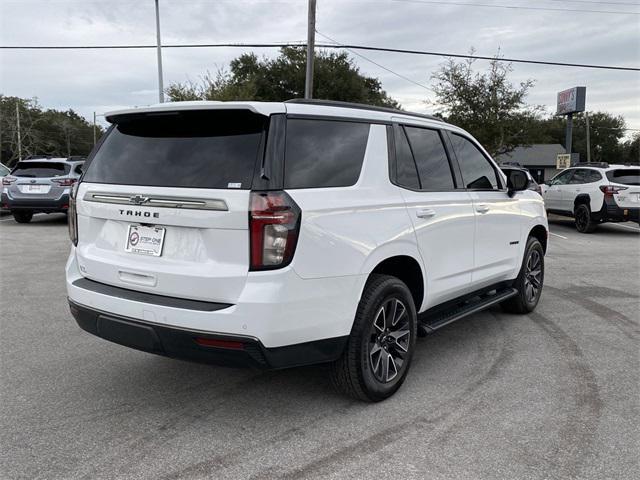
{"x": 145, "y": 240}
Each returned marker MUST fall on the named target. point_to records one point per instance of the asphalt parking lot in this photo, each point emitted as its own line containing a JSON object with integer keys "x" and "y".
{"x": 551, "y": 395}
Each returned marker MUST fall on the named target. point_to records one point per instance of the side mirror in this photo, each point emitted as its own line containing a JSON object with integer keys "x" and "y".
{"x": 517, "y": 181}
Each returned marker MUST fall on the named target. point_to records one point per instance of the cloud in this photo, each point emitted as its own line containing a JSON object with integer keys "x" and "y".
{"x": 96, "y": 80}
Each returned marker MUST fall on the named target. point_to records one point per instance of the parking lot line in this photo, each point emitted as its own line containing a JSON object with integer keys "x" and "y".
{"x": 556, "y": 235}
{"x": 626, "y": 226}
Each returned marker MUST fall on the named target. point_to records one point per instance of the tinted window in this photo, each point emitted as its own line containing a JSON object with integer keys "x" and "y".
{"x": 324, "y": 153}
{"x": 406, "y": 173}
{"x": 579, "y": 177}
{"x": 628, "y": 176}
{"x": 431, "y": 159}
{"x": 204, "y": 149}
{"x": 41, "y": 169}
{"x": 593, "y": 176}
{"x": 477, "y": 172}
{"x": 562, "y": 178}
{"x": 4, "y": 170}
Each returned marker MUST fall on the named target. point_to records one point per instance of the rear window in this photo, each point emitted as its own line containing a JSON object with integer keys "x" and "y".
{"x": 41, "y": 169}
{"x": 628, "y": 176}
{"x": 203, "y": 149}
{"x": 324, "y": 153}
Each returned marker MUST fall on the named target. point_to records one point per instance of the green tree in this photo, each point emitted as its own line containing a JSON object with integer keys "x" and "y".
{"x": 336, "y": 77}
{"x": 486, "y": 104}
{"x": 42, "y": 131}
{"x": 632, "y": 149}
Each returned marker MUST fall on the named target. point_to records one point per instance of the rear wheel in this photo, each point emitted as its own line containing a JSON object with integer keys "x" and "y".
{"x": 530, "y": 280}
{"x": 582, "y": 216}
{"x": 376, "y": 359}
{"x": 23, "y": 217}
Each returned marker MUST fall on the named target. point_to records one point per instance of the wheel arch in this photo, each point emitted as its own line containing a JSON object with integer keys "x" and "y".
{"x": 406, "y": 268}
{"x": 580, "y": 199}
{"x": 540, "y": 232}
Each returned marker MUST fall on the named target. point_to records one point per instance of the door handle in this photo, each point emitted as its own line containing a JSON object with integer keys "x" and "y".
{"x": 425, "y": 213}
{"x": 482, "y": 209}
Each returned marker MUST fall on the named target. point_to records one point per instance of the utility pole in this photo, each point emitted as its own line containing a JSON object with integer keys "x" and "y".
{"x": 94, "y": 128}
{"x": 160, "y": 82}
{"x": 311, "y": 43}
{"x": 586, "y": 117}
{"x": 18, "y": 130}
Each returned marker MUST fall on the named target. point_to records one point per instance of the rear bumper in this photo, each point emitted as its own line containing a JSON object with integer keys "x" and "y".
{"x": 60, "y": 204}
{"x": 611, "y": 212}
{"x": 225, "y": 350}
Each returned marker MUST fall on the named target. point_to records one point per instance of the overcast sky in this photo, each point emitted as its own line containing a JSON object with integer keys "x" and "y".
{"x": 100, "y": 80}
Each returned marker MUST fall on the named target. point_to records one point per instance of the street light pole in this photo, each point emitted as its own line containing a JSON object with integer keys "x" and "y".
{"x": 311, "y": 42}
{"x": 586, "y": 117}
{"x": 160, "y": 82}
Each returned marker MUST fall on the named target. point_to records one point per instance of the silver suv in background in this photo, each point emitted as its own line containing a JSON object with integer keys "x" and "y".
{"x": 40, "y": 185}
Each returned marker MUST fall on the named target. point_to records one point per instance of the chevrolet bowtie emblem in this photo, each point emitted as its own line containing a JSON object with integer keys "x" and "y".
{"x": 138, "y": 199}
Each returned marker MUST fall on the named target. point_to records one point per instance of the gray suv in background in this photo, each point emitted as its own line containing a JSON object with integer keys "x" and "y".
{"x": 40, "y": 185}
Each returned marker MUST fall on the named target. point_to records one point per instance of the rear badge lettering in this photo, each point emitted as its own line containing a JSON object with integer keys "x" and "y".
{"x": 137, "y": 213}
{"x": 234, "y": 185}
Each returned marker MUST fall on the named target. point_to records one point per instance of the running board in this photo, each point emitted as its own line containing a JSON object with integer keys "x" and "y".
{"x": 469, "y": 307}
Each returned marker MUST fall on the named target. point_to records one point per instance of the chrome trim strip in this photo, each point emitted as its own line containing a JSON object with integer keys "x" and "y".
{"x": 163, "y": 202}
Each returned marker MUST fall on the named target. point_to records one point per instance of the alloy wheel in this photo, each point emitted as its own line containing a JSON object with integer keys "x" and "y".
{"x": 389, "y": 340}
{"x": 533, "y": 276}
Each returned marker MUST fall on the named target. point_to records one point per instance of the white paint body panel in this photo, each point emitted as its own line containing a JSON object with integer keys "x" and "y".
{"x": 345, "y": 233}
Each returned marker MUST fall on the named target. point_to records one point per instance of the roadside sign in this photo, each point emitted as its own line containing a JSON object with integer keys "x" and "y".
{"x": 563, "y": 160}
{"x": 572, "y": 100}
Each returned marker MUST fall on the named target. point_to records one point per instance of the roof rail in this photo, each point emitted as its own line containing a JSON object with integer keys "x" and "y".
{"x": 592, "y": 164}
{"x": 361, "y": 106}
{"x": 511, "y": 164}
{"x": 38, "y": 157}
{"x": 76, "y": 158}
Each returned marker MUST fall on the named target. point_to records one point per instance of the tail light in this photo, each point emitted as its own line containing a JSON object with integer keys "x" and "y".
{"x": 8, "y": 180}
{"x": 610, "y": 190}
{"x": 65, "y": 182}
{"x": 274, "y": 224}
{"x": 72, "y": 217}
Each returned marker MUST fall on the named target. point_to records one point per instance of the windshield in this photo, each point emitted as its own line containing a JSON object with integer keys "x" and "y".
{"x": 197, "y": 149}
{"x": 627, "y": 176}
{"x": 41, "y": 169}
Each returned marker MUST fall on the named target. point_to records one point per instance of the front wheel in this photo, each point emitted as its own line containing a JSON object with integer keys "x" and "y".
{"x": 23, "y": 217}
{"x": 378, "y": 354}
{"x": 529, "y": 281}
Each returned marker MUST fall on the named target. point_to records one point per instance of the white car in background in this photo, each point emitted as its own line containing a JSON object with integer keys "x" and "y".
{"x": 595, "y": 193}
{"x": 4, "y": 171}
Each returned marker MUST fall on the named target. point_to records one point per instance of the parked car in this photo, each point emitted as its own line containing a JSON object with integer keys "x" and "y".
{"x": 286, "y": 234}
{"x": 594, "y": 193}
{"x": 507, "y": 168}
{"x": 4, "y": 171}
{"x": 40, "y": 185}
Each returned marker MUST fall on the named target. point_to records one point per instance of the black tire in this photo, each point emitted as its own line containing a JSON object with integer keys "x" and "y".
{"x": 23, "y": 217}
{"x": 360, "y": 371}
{"x": 584, "y": 222}
{"x": 528, "y": 279}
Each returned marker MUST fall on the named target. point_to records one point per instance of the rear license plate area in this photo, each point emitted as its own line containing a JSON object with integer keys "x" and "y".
{"x": 145, "y": 240}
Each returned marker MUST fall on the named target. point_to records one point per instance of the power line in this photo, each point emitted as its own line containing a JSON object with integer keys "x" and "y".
{"x": 515, "y": 7}
{"x": 328, "y": 45}
{"x": 375, "y": 63}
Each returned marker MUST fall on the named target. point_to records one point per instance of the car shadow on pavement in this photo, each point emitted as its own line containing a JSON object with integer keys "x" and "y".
{"x": 624, "y": 229}
{"x": 40, "y": 218}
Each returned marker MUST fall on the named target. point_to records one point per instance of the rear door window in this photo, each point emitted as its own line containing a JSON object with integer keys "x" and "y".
{"x": 406, "y": 171}
{"x": 477, "y": 171}
{"x": 431, "y": 159}
{"x": 627, "y": 176}
{"x": 324, "y": 153}
{"x": 198, "y": 149}
{"x": 41, "y": 169}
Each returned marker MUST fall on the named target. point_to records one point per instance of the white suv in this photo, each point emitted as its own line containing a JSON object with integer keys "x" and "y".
{"x": 284, "y": 234}
{"x": 594, "y": 193}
